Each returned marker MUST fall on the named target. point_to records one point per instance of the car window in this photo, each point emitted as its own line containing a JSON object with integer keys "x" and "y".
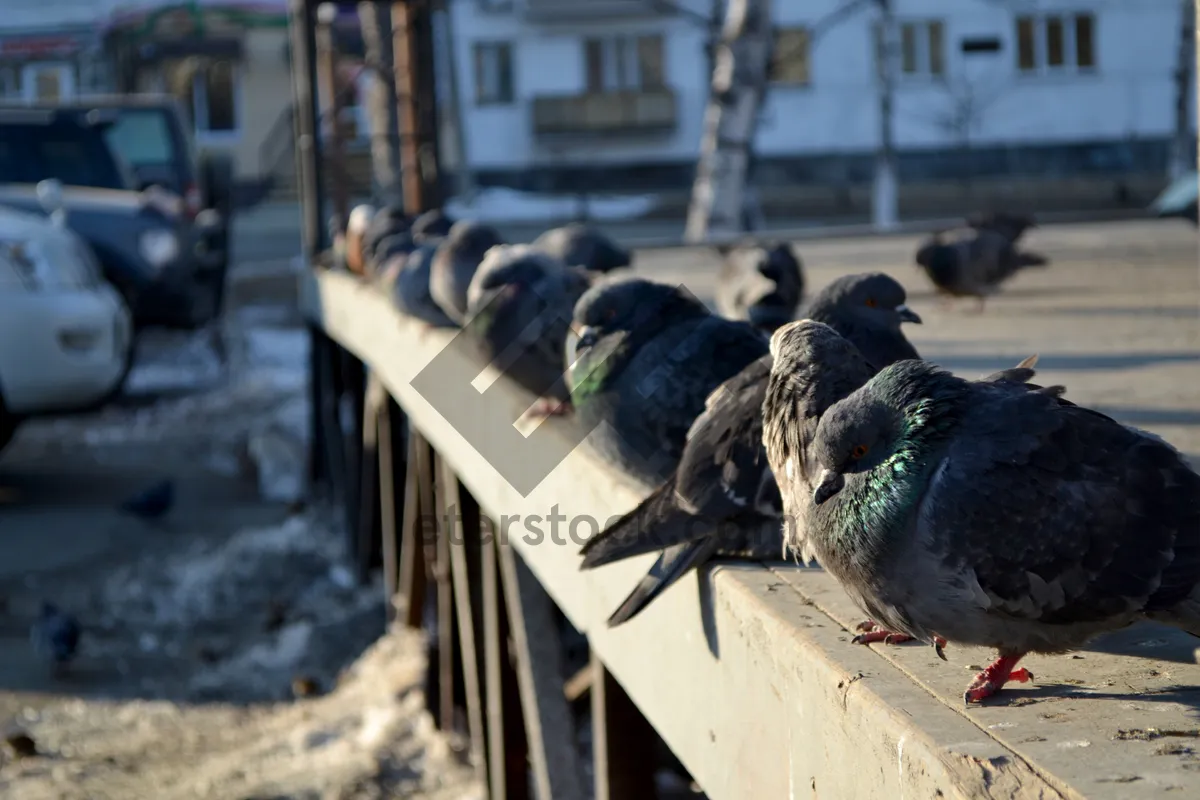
{"x": 141, "y": 137}
{"x": 74, "y": 154}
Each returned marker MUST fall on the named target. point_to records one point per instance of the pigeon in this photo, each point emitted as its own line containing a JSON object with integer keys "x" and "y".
{"x": 454, "y": 264}
{"x": 646, "y": 357}
{"x": 968, "y": 262}
{"x": 1013, "y": 226}
{"x": 996, "y": 513}
{"x": 406, "y": 278}
{"x": 152, "y": 503}
{"x": 430, "y": 227}
{"x": 387, "y": 221}
{"x": 868, "y": 309}
{"x": 354, "y": 248}
{"x": 523, "y": 298}
{"x": 762, "y": 284}
{"x": 397, "y": 244}
{"x": 581, "y": 245}
{"x": 722, "y": 499}
{"x": 55, "y": 635}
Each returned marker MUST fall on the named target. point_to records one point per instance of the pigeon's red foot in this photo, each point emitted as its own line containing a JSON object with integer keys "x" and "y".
{"x": 992, "y": 679}
{"x": 872, "y": 632}
{"x": 549, "y": 407}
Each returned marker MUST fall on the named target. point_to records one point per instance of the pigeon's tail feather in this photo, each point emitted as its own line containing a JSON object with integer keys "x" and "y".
{"x": 653, "y": 525}
{"x": 1027, "y": 259}
{"x": 675, "y": 562}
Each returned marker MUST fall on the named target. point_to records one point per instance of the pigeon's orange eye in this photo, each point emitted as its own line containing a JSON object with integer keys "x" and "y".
{"x": 870, "y": 302}
{"x": 858, "y": 452}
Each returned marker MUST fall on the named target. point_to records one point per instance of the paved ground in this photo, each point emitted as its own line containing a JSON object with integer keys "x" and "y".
{"x": 195, "y": 629}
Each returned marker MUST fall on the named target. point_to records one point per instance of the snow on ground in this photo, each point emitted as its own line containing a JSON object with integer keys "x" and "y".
{"x": 501, "y": 205}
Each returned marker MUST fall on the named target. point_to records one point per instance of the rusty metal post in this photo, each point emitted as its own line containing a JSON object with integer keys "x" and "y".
{"x": 412, "y": 49}
{"x": 327, "y": 69}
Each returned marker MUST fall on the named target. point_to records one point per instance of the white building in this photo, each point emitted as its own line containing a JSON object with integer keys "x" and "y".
{"x": 617, "y": 89}
{"x": 51, "y": 49}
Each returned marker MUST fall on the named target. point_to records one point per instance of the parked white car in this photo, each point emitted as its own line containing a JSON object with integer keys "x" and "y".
{"x": 66, "y": 341}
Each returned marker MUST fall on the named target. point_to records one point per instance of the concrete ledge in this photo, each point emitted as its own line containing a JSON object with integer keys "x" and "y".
{"x": 747, "y": 671}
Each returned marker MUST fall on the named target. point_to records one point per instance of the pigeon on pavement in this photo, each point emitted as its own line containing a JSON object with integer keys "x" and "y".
{"x": 454, "y": 264}
{"x": 996, "y": 513}
{"x": 762, "y": 284}
{"x": 1012, "y": 226}
{"x": 55, "y": 635}
{"x": 646, "y": 358}
{"x": 152, "y": 503}
{"x": 407, "y": 276}
{"x": 725, "y": 457}
{"x": 519, "y": 310}
{"x": 581, "y": 245}
{"x": 967, "y": 262}
{"x": 867, "y": 308}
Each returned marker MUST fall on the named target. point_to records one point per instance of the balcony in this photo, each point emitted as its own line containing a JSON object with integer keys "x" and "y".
{"x": 605, "y": 113}
{"x": 588, "y": 10}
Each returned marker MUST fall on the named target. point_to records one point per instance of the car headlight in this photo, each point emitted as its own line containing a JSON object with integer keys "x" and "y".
{"x": 159, "y": 246}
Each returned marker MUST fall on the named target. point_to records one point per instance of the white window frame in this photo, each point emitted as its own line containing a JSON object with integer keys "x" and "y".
{"x": 924, "y": 60}
{"x": 200, "y": 107}
{"x": 1041, "y": 50}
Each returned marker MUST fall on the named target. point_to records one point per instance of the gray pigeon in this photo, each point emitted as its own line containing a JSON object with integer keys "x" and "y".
{"x": 762, "y": 284}
{"x": 969, "y": 262}
{"x": 868, "y": 309}
{"x": 457, "y": 258}
{"x": 375, "y": 226}
{"x": 722, "y": 499}
{"x": 995, "y": 513}
{"x": 398, "y": 244}
{"x": 646, "y": 358}
{"x": 519, "y": 311}
{"x": 55, "y": 635}
{"x": 581, "y": 245}
{"x": 406, "y": 277}
{"x": 431, "y": 227}
{"x": 1013, "y": 226}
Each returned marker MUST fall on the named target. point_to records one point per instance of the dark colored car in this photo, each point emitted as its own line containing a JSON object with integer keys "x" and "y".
{"x": 150, "y": 249}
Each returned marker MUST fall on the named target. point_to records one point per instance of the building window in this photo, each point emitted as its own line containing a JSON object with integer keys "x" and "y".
{"x": 624, "y": 63}
{"x": 10, "y": 83}
{"x": 789, "y": 57}
{"x": 1056, "y": 42}
{"x": 210, "y": 92}
{"x": 922, "y": 49}
{"x": 493, "y": 73}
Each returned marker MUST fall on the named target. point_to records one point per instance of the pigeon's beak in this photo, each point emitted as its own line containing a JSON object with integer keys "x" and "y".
{"x": 831, "y": 483}
{"x": 588, "y": 336}
{"x": 907, "y": 314}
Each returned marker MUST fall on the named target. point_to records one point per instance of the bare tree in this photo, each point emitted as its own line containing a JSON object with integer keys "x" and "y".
{"x": 967, "y": 105}
{"x": 376, "y": 24}
{"x": 739, "y": 85}
{"x": 1182, "y": 158}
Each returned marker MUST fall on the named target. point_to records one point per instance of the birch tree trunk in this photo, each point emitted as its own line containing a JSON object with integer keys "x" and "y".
{"x": 1181, "y": 160}
{"x": 883, "y": 197}
{"x": 739, "y": 85}
{"x": 376, "y": 23}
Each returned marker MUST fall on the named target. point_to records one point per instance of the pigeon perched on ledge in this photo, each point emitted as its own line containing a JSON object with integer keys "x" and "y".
{"x": 995, "y": 513}
{"x": 519, "y": 309}
{"x": 581, "y": 245}
{"x": 455, "y": 262}
{"x": 722, "y": 500}
{"x": 646, "y": 357}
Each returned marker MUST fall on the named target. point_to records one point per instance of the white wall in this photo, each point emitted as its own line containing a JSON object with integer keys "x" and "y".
{"x": 1130, "y": 93}
{"x": 548, "y": 59}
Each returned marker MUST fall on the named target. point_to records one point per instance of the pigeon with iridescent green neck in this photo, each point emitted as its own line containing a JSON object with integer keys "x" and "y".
{"x": 519, "y": 310}
{"x": 994, "y": 513}
{"x": 645, "y": 358}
